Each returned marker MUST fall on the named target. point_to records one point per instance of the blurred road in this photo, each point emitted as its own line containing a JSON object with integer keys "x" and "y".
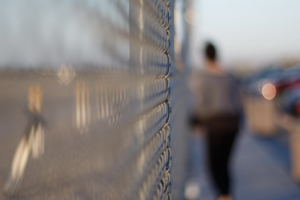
{"x": 80, "y": 161}
{"x": 74, "y": 163}
{"x": 66, "y": 168}
{"x": 260, "y": 167}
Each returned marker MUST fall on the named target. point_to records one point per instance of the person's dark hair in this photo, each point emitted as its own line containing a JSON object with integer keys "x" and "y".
{"x": 210, "y": 51}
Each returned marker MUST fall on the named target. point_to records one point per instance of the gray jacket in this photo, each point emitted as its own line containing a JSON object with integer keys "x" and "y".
{"x": 219, "y": 95}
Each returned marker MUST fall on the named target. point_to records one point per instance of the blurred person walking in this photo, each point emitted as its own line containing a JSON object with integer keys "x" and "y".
{"x": 218, "y": 111}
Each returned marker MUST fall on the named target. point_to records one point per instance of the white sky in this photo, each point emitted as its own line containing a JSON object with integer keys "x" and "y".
{"x": 248, "y": 30}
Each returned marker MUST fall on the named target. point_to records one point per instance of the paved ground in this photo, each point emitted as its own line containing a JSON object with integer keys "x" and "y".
{"x": 260, "y": 168}
{"x": 81, "y": 160}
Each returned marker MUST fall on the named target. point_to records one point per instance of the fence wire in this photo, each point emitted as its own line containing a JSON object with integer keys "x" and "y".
{"x": 91, "y": 106}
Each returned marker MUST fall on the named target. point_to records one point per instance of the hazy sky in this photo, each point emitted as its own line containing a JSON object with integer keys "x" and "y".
{"x": 248, "y": 30}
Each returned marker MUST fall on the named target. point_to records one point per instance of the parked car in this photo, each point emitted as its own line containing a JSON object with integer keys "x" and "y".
{"x": 290, "y": 100}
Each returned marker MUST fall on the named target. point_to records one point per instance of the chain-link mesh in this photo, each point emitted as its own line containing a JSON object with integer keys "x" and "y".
{"x": 88, "y": 107}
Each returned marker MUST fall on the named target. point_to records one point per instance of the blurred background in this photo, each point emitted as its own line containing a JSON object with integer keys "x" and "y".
{"x": 258, "y": 42}
{"x": 249, "y": 34}
{"x": 95, "y": 97}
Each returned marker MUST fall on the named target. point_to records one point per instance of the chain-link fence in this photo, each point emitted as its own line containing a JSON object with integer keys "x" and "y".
{"x": 92, "y": 106}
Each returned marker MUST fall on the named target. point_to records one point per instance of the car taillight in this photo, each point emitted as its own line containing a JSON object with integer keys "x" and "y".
{"x": 268, "y": 91}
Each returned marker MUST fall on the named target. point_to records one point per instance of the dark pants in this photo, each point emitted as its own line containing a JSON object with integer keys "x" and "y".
{"x": 221, "y": 135}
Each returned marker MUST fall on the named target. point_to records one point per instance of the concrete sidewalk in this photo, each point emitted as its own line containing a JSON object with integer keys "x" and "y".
{"x": 260, "y": 167}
